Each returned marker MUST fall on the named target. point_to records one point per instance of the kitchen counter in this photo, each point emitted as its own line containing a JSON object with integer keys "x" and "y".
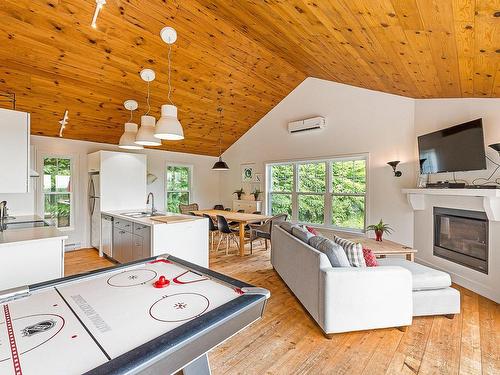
{"x": 148, "y": 220}
{"x": 22, "y": 218}
{"x": 30, "y": 235}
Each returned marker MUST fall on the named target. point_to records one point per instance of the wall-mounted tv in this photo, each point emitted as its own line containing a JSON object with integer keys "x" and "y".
{"x": 455, "y": 149}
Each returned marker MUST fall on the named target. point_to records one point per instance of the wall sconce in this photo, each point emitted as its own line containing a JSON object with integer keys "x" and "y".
{"x": 495, "y": 146}
{"x": 394, "y": 165}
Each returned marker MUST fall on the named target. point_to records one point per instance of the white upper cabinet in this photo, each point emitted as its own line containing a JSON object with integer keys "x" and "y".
{"x": 14, "y": 151}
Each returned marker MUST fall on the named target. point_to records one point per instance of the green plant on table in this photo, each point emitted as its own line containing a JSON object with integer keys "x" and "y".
{"x": 379, "y": 229}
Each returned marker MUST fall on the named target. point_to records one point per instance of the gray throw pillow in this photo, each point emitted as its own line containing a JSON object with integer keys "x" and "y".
{"x": 302, "y": 234}
{"x": 286, "y": 225}
{"x": 353, "y": 250}
{"x": 333, "y": 251}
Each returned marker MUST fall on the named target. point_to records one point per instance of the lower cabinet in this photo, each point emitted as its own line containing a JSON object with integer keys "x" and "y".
{"x": 131, "y": 241}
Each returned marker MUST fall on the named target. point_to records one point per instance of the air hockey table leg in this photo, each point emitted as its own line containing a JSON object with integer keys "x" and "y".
{"x": 198, "y": 367}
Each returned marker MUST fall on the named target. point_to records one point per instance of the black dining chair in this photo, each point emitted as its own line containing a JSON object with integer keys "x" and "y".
{"x": 225, "y": 232}
{"x": 227, "y": 209}
{"x": 212, "y": 228}
{"x": 264, "y": 230}
{"x": 218, "y": 207}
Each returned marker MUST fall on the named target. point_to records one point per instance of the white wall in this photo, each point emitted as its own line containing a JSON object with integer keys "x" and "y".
{"x": 435, "y": 114}
{"x": 358, "y": 121}
{"x": 205, "y": 181}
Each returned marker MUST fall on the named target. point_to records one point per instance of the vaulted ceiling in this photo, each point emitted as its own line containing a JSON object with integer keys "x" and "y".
{"x": 243, "y": 55}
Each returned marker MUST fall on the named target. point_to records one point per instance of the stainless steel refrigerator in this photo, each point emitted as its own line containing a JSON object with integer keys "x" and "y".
{"x": 95, "y": 209}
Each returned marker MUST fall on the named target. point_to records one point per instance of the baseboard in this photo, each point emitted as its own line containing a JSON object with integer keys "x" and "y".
{"x": 473, "y": 285}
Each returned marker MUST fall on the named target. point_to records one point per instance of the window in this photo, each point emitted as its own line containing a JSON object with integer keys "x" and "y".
{"x": 328, "y": 192}
{"x": 178, "y": 186}
{"x": 57, "y": 191}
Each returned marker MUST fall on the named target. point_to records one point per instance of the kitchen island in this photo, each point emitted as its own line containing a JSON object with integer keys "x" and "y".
{"x": 127, "y": 237}
{"x": 29, "y": 253}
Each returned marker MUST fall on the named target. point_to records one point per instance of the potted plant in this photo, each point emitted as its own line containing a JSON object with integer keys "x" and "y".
{"x": 256, "y": 193}
{"x": 379, "y": 229}
{"x": 239, "y": 193}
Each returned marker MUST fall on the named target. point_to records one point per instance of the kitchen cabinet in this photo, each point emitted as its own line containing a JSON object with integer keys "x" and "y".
{"x": 14, "y": 152}
{"x": 131, "y": 241}
{"x": 247, "y": 206}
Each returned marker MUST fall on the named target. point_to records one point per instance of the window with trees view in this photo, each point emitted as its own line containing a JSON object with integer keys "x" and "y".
{"x": 57, "y": 192}
{"x": 178, "y": 186}
{"x": 324, "y": 192}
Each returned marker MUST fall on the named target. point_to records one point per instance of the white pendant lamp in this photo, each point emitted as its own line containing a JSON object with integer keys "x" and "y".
{"x": 145, "y": 135}
{"x": 168, "y": 126}
{"x": 127, "y": 140}
{"x": 220, "y": 165}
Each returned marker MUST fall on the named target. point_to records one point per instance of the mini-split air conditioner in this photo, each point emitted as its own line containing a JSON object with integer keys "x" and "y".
{"x": 309, "y": 124}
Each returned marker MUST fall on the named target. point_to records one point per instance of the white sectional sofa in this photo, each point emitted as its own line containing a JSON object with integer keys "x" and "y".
{"x": 343, "y": 299}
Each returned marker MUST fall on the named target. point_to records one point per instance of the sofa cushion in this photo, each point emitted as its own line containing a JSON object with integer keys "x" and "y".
{"x": 286, "y": 225}
{"x": 370, "y": 259}
{"x": 353, "y": 250}
{"x": 333, "y": 251}
{"x": 424, "y": 278}
{"x": 301, "y": 233}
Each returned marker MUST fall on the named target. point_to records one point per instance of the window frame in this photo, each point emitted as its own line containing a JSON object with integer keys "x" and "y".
{"x": 190, "y": 182}
{"x": 72, "y": 192}
{"x": 328, "y": 194}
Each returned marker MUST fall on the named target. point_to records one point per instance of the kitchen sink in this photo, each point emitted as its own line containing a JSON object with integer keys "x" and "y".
{"x": 141, "y": 214}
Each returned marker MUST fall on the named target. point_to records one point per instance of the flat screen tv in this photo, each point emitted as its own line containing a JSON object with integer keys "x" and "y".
{"x": 455, "y": 149}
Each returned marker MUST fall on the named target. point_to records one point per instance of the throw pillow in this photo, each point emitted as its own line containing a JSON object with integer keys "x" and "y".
{"x": 370, "y": 259}
{"x": 333, "y": 251}
{"x": 312, "y": 230}
{"x": 301, "y": 233}
{"x": 354, "y": 251}
{"x": 286, "y": 225}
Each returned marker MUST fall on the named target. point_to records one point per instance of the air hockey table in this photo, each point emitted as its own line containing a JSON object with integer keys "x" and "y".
{"x": 160, "y": 315}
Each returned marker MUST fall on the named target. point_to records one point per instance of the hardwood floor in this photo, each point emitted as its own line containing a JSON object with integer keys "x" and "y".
{"x": 287, "y": 340}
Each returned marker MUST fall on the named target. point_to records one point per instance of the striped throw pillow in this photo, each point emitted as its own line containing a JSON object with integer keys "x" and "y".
{"x": 353, "y": 250}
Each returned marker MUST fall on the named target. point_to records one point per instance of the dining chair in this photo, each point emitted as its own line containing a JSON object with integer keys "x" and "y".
{"x": 264, "y": 230}
{"x": 212, "y": 228}
{"x": 227, "y": 209}
{"x": 186, "y": 208}
{"x": 257, "y": 213}
{"x": 225, "y": 232}
{"x": 218, "y": 207}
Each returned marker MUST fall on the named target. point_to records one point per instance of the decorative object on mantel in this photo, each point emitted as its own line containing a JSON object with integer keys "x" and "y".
{"x": 150, "y": 178}
{"x": 256, "y": 193}
{"x": 63, "y": 123}
{"x": 495, "y": 146}
{"x": 220, "y": 165}
{"x": 168, "y": 126}
{"x": 145, "y": 135}
{"x": 98, "y": 7}
{"x": 127, "y": 140}
{"x": 247, "y": 172}
{"x": 239, "y": 193}
{"x": 379, "y": 229}
{"x": 394, "y": 165}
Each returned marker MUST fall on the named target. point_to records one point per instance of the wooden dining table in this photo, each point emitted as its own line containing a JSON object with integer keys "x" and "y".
{"x": 240, "y": 217}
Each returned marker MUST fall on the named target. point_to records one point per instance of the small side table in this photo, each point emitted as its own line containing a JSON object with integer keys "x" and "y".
{"x": 383, "y": 248}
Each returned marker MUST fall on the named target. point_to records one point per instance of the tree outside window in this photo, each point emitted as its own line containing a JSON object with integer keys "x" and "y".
{"x": 57, "y": 194}
{"x": 328, "y": 192}
{"x": 178, "y": 186}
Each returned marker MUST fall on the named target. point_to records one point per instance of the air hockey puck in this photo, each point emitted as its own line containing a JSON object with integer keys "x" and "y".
{"x": 162, "y": 282}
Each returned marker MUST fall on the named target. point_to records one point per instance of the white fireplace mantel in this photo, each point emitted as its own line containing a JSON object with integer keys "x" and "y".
{"x": 491, "y": 198}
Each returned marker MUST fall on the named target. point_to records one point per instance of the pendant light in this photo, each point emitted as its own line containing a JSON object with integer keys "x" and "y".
{"x": 168, "y": 126}
{"x": 145, "y": 135}
{"x": 127, "y": 140}
{"x": 220, "y": 165}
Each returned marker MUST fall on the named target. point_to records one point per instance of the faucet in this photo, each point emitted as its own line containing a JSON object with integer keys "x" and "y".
{"x": 153, "y": 209}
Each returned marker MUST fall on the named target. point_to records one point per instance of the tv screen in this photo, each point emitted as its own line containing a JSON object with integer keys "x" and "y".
{"x": 455, "y": 149}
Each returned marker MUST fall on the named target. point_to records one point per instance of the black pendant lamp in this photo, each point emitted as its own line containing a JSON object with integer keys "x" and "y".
{"x": 220, "y": 165}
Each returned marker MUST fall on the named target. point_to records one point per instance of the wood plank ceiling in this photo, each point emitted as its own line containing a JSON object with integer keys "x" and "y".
{"x": 246, "y": 55}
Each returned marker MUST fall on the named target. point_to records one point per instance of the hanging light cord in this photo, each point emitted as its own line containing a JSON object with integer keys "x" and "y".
{"x": 149, "y": 106}
{"x": 169, "y": 74}
{"x": 220, "y": 132}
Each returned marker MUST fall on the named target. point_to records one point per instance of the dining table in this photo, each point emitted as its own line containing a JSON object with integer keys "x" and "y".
{"x": 241, "y": 218}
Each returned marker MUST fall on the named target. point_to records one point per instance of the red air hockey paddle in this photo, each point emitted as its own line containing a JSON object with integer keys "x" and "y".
{"x": 162, "y": 282}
